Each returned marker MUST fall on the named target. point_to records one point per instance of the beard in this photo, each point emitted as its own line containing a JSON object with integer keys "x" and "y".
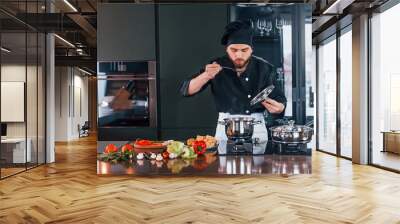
{"x": 240, "y": 63}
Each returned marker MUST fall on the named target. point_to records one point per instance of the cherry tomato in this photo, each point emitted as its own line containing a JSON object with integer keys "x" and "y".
{"x": 110, "y": 148}
{"x": 165, "y": 155}
{"x": 127, "y": 148}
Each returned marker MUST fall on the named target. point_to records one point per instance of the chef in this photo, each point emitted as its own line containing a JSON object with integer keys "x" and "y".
{"x": 236, "y": 78}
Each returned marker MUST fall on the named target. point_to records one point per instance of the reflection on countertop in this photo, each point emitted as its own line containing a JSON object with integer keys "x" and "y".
{"x": 211, "y": 165}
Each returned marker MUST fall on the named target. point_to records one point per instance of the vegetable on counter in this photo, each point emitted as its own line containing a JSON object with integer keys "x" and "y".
{"x": 208, "y": 139}
{"x": 199, "y": 147}
{"x": 110, "y": 148}
{"x": 172, "y": 156}
{"x": 188, "y": 153}
{"x": 127, "y": 148}
{"x": 175, "y": 147}
{"x": 113, "y": 154}
{"x": 140, "y": 156}
{"x": 150, "y": 150}
{"x": 145, "y": 142}
{"x": 127, "y": 152}
{"x": 159, "y": 157}
{"x": 165, "y": 154}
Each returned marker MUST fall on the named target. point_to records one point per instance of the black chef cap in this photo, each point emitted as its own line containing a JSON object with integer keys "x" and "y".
{"x": 238, "y": 32}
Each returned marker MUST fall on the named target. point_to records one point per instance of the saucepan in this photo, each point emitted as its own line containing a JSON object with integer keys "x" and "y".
{"x": 239, "y": 127}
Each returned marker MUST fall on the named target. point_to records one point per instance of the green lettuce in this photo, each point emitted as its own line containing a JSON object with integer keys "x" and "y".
{"x": 188, "y": 153}
{"x": 175, "y": 147}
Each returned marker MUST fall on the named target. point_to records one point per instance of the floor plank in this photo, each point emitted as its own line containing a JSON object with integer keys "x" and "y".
{"x": 69, "y": 191}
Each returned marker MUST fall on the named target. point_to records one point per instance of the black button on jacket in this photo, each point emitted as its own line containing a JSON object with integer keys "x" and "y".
{"x": 232, "y": 93}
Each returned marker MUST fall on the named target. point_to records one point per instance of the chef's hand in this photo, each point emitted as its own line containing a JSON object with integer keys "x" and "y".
{"x": 212, "y": 70}
{"x": 197, "y": 83}
{"x": 273, "y": 106}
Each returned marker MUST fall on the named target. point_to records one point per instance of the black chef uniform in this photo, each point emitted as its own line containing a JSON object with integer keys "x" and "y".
{"x": 232, "y": 93}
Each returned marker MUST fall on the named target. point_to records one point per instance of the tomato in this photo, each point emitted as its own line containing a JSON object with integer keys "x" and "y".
{"x": 165, "y": 155}
{"x": 144, "y": 142}
{"x": 127, "y": 148}
{"x": 110, "y": 148}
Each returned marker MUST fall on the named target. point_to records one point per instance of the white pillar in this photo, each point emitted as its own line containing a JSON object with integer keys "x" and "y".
{"x": 50, "y": 101}
{"x": 50, "y": 92}
{"x": 360, "y": 90}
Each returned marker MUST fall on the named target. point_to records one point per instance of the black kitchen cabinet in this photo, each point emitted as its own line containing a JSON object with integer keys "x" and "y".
{"x": 189, "y": 36}
{"x": 126, "y": 32}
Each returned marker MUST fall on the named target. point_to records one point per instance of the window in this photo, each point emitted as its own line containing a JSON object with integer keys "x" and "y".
{"x": 346, "y": 93}
{"x": 327, "y": 96}
{"x": 385, "y": 89}
{"x": 23, "y": 77}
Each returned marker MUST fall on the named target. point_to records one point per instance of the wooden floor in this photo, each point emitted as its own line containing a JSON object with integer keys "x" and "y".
{"x": 69, "y": 191}
{"x": 10, "y": 171}
{"x": 386, "y": 159}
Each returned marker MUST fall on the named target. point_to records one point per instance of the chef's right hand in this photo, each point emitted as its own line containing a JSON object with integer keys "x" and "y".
{"x": 212, "y": 70}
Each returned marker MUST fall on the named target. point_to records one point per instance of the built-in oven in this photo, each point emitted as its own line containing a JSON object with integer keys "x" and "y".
{"x": 127, "y": 100}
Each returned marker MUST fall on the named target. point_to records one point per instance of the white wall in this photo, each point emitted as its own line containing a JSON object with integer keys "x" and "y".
{"x": 71, "y": 102}
{"x": 34, "y": 125}
{"x": 81, "y": 104}
{"x": 61, "y": 103}
{"x": 12, "y": 73}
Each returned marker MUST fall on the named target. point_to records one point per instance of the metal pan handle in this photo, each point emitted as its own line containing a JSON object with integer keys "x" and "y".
{"x": 257, "y": 122}
{"x": 222, "y": 122}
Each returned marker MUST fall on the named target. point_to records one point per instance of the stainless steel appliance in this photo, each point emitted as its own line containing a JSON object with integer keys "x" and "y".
{"x": 239, "y": 131}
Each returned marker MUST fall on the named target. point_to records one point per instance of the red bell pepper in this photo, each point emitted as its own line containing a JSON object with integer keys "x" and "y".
{"x": 199, "y": 147}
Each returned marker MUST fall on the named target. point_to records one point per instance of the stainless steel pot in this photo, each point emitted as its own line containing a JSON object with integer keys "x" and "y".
{"x": 239, "y": 127}
{"x": 291, "y": 133}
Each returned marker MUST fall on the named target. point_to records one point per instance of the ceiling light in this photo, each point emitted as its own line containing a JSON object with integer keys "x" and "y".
{"x": 70, "y": 5}
{"x": 5, "y": 50}
{"x": 84, "y": 71}
{"x": 326, "y": 11}
{"x": 338, "y": 6}
{"x": 65, "y": 41}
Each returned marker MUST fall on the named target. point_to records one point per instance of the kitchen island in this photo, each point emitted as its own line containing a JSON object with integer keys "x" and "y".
{"x": 271, "y": 161}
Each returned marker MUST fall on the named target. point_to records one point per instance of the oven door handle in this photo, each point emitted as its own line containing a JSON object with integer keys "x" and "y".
{"x": 127, "y": 78}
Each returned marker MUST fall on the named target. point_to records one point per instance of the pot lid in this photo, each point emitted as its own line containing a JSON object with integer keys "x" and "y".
{"x": 290, "y": 127}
